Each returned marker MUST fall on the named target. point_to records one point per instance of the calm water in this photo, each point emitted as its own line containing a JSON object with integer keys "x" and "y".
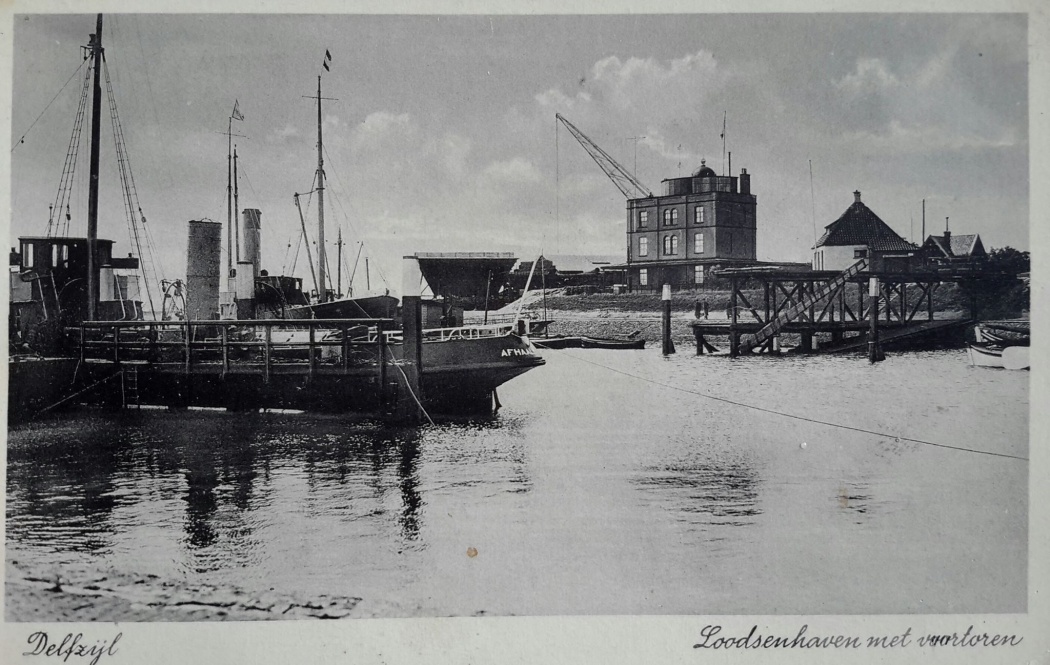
{"x": 591, "y": 492}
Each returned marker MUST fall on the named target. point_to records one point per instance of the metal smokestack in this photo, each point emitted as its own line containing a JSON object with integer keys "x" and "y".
{"x": 203, "y": 259}
{"x": 252, "y": 225}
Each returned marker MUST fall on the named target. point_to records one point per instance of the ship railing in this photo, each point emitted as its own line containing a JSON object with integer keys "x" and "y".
{"x": 260, "y": 344}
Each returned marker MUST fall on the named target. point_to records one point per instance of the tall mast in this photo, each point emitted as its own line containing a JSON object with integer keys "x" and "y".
{"x": 339, "y": 264}
{"x": 92, "y": 224}
{"x": 229, "y": 196}
{"x": 320, "y": 203}
{"x": 236, "y": 210}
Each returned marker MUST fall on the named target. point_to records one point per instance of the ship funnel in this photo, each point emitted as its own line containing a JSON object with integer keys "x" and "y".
{"x": 252, "y": 225}
{"x": 203, "y": 270}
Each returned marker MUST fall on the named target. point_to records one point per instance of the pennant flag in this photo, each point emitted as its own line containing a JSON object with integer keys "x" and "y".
{"x": 327, "y": 59}
{"x": 325, "y": 65}
{"x": 237, "y": 111}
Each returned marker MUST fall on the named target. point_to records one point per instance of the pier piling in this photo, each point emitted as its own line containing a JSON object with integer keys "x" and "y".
{"x": 668, "y": 344}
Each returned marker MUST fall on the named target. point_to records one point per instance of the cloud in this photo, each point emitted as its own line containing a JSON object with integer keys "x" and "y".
{"x": 286, "y": 133}
{"x": 514, "y": 171}
{"x": 871, "y": 75}
{"x": 900, "y": 138}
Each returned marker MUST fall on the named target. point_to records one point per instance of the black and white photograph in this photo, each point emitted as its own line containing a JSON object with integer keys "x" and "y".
{"x": 551, "y": 314}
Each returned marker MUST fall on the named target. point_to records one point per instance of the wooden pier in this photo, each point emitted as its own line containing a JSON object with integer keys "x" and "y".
{"x": 831, "y": 304}
{"x": 302, "y": 363}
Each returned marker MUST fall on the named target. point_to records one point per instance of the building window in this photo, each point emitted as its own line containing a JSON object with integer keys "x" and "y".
{"x": 698, "y": 243}
{"x": 643, "y": 247}
{"x": 27, "y": 255}
{"x": 670, "y": 245}
{"x": 643, "y": 277}
{"x": 699, "y": 215}
{"x": 698, "y": 274}
{"x": 667, "y": 217}
{"x": 674, "y": 216}
{"x": 860, "y": 253}
{"x": 643, "y": 218}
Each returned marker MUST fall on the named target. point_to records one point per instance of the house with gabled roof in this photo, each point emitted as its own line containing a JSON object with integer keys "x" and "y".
{"x": 954, "y": 249}
{"x": 860, "y": 233}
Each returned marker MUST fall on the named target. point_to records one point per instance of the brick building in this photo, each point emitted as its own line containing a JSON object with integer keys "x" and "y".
{"x": 701, "y": 222}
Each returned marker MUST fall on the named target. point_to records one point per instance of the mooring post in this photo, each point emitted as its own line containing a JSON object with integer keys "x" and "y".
{"x": 734, "y": 336}
{"x": 874, "y": 349}
{"x": 412, "y": 334}
{"x": 668, "y": 344}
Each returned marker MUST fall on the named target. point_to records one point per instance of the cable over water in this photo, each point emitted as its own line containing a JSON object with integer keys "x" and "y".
{"x": 793, "y": 416}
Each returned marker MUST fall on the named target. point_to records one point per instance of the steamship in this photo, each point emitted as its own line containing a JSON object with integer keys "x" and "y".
{"x": 79, "y": 330}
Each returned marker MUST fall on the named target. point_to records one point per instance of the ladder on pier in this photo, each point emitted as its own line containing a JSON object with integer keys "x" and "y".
{"x": 131, "y": 387}
{"x": 791, "y": 312}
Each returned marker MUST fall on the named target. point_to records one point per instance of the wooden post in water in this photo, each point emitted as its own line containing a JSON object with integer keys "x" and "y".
{"x": 668, "y": 346}
{"x": 412, "y": 335}
{"x": 875, "y": 353}
{"x": 734, "y": 336}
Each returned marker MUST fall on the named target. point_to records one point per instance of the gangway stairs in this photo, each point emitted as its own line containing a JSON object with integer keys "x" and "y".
{"x": 790, "y": 313}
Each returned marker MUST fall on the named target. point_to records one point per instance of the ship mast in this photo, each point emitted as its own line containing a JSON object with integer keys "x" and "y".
{"x": 229, "y": 197}
{"x": 92, "y": 222}
{"x": 321, "y": 284}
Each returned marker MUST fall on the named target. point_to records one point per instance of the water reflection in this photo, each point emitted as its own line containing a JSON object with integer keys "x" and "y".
{"x": 218, "y": 471}
{"x": 709, "y": 494}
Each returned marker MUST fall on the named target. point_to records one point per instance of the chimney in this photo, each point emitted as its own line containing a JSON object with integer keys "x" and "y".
{"x": 745, "y": 182}
{"x": 856, "y": 196}
{"x": 947, "y": 233}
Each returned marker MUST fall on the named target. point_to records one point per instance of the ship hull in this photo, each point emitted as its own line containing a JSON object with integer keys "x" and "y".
{"x": 459, "y": 376}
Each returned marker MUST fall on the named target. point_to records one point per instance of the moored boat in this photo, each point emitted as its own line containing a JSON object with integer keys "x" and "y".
{"x": 992, "y": 355}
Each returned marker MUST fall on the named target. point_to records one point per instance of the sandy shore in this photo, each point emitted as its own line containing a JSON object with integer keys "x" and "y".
{"x": 107, "y": 595}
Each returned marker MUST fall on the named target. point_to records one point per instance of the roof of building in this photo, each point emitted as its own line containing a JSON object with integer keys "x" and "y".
{"x": 704, "y": 171}
{"x": 956, "y": 246}
{"x": 860, "y": 226}
{"x": 576, "y": 262}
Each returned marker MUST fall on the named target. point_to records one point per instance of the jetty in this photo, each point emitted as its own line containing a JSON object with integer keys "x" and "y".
{"x": 838, "y": 306}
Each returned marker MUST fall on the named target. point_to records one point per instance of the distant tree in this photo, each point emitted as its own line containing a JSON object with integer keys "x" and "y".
{"x": 999, "y": 293}
{"x": 1008, "y": 260}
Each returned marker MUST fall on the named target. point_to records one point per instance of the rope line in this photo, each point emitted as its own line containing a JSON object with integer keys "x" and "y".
{"x": 79, "y": 392}
{"x": 407, "y": 385}
{"x": 22, "y": 139}
{"x": 794, "y": 416}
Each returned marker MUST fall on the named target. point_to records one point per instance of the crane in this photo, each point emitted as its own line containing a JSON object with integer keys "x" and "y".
{"x": 626, "y": 182}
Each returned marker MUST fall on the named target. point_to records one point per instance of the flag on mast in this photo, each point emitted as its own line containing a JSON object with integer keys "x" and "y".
{"x": 327, "y": 59}
{"x": 237, "y": 111}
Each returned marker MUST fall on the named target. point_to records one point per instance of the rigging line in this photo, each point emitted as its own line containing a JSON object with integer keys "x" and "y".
{"x": 145, "y": 64}
{"x": 407, "y": 385}
{"x": 796, "y": 416}
{"x": 21, "y": 140}
{"x": 65, "y": 183}
{"x": 349, "y": 221}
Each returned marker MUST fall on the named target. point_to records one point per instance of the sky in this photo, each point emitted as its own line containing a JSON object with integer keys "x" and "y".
{"x": 442, "y": 133}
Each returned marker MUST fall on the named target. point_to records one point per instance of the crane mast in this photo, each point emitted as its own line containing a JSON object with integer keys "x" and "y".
{"x": 624, "y": 180}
